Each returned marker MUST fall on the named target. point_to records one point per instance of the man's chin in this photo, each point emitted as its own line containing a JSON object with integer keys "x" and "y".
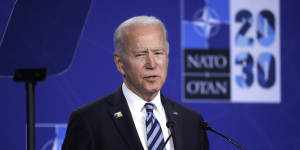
{"x": 150, "y": 93}
{"x": 152, "y": 90}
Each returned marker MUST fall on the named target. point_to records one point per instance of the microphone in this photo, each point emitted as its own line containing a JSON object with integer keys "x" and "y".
{"x": 205, "y": 126}
{"x": 170, "y": 125}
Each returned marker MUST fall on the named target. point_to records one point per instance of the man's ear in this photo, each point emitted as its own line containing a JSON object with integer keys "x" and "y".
{"x": 119, "y": 63}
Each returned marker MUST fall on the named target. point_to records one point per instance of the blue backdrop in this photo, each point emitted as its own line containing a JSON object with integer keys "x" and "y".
{"x": 93, "y": 75}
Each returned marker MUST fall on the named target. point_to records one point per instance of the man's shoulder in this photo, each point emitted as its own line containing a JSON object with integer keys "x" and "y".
{"x": 100, "y": 105}
{"x": 182, "y": 108}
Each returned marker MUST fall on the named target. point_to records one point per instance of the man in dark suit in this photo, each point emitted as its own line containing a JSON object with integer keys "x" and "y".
{"x": 135, "y": 116}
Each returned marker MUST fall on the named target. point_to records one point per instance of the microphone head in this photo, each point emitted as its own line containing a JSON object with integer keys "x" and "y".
{"x": 204, "y": 125}
{"x": 170, "y": 124}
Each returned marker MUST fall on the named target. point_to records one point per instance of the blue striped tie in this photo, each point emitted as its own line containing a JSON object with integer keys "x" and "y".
{"x": 155, "y": 137}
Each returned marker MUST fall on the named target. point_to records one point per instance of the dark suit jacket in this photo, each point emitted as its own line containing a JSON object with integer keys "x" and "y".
{"x": 94, "y": 126}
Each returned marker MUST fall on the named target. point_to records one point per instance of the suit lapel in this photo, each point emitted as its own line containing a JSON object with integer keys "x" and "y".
{"x": 122, "y": 118}
{"x": 173, "y": 114}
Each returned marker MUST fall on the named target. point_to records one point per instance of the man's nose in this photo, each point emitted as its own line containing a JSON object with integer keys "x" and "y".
{"x": 150, "y": 62}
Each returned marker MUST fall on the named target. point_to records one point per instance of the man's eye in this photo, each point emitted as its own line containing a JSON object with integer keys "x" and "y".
{"x": 139, "y": 55}
{"x": 158, "y": 53}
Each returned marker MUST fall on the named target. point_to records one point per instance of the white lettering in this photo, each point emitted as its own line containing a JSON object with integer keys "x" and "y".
{"x": 206, "y": 61}
{"x": 194, "y": 87}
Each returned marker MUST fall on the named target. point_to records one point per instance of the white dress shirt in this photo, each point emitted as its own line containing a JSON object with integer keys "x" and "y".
{"x": 138, "y": 112}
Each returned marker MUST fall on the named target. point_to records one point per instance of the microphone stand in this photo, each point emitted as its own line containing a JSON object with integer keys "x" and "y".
{"x": 205, "y": 126}
{"x": 30, "y": 77}
{"x": 170, "y": 125}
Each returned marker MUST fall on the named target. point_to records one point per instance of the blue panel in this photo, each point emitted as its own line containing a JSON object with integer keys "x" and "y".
{"x": 221, "y": 39}
{"x": 39, "y": 32}
{"x": 221, "y": 7}
{"x": 190, "y": 37}
{"x": 190, "y": 7}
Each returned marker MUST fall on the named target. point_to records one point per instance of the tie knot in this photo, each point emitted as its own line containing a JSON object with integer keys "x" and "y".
{"x": 149, "y": 107}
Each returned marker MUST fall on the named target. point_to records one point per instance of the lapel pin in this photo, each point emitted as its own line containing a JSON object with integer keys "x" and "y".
{"x": 118, "y": 114}
{"x": 175, "y": 113}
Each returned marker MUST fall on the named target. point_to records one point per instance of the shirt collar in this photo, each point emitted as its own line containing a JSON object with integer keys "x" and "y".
{"x": 136, "y": 103}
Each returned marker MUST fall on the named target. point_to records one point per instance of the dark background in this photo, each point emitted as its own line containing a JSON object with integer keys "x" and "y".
{"x": 93, "y": 75}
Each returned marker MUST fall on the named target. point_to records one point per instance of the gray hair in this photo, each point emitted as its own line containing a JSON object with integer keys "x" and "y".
{"x": 138, "y": 20}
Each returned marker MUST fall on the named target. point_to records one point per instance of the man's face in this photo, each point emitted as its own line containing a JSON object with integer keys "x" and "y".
{"x": 144, "y": 63}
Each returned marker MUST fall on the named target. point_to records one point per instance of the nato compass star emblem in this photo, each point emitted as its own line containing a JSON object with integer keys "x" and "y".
{"x": 206, "y": 22}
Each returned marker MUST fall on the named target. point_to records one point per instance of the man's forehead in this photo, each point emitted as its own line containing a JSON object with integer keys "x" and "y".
{"x": 147, "y": 46}
{"x": 141, "y": 27}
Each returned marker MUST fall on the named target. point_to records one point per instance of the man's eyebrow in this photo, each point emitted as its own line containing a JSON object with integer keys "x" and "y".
{"x": 147, "y": 51}
{"x": 141, "y": 51}
{"x": 158, "y": 50}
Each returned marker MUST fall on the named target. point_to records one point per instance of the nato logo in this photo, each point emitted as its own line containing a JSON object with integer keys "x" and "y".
{"x": 205, "y": 46}
{"x": 206, "y": 22}
{"x": 50, "y": 136}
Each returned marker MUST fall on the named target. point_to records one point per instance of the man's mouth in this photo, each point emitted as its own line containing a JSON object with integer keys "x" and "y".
{"x": 151, "y": 77}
